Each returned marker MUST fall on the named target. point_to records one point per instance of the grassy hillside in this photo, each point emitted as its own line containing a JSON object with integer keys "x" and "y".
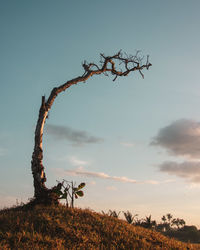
{"x": 65, "y": 228}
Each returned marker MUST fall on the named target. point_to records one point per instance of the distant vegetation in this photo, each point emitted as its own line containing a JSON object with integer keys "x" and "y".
{"x": 169, "y": 226}
{"x": 59, "y": 227}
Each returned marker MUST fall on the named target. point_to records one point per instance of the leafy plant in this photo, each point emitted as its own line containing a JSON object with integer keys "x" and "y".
{"x": 68, "y": 191}
{"x": 129, "y": 217}
{"x": 148, "y": 222}
{"x": 179, "y": 223}
{"x": 168, "y": 223}
{"x": 112, "y": 213}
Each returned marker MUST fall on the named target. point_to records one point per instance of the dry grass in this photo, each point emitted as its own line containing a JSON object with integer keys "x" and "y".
{"x": 65, "y": 228}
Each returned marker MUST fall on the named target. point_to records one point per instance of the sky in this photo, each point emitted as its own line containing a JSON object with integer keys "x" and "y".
{"x": 134, "y": 142}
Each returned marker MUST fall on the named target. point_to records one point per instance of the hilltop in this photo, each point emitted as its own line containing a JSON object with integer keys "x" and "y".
{"x": 65, "y": 228}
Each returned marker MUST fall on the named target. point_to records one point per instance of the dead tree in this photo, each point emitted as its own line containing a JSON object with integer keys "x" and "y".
{"x": 118, "y": 65}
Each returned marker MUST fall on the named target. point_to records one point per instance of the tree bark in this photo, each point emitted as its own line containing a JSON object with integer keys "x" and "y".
{"x": 41, "y": 192}
{"x": 39, "y": 177}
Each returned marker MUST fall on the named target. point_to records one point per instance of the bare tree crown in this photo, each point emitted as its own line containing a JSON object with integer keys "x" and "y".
{"x": 120, "y": 64}
{"x": 111, "y": 64}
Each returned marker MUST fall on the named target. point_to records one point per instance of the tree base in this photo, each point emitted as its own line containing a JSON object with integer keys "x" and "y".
{"x": 46, "y": 197}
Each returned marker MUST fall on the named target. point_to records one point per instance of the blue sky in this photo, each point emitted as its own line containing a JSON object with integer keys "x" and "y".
{"x": 43, "y": 44}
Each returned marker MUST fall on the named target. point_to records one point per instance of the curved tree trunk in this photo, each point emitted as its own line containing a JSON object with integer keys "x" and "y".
{"x": 41, "y": 192}
{"x": 39, "y": 177}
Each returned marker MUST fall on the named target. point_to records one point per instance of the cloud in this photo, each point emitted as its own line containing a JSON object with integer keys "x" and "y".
{"x": 188, "y": 170}
{"x": 81, "y": 172}
{"x": 181, "y": 137}
{"x": 77, "y": 137}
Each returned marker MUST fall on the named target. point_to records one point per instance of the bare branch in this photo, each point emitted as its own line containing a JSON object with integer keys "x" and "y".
{"x": 115, "y": 78}
{"x": 141, "y": 73}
